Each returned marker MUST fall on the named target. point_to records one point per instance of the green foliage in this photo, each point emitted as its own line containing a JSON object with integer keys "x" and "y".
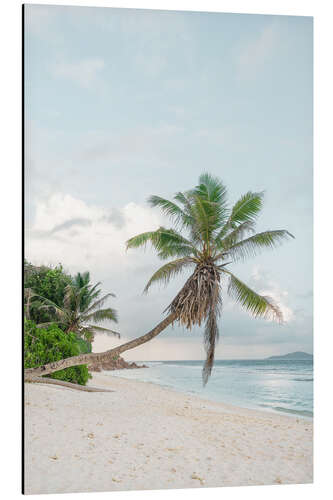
{"x": 44, "y": 345}
{"x": 52, "y": 296}
{"x": 208, "y": 235}
{"x": 73, "y": 318}
{"x": 46, "y": 282}
{"x": 84, "y": 346}
{"x": 257, "y": 305}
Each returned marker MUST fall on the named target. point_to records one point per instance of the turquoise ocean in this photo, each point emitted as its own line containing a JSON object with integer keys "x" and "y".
{"x": 284, "y": 386}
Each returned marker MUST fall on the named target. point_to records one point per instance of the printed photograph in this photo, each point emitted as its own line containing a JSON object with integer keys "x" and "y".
{"x": 168, "y": 248}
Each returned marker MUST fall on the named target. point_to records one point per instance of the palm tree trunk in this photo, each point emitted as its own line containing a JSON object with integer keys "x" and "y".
{"x": 100, "y": 356}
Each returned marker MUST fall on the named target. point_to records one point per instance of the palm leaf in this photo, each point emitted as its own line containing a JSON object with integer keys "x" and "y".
{"x": 98, "y": 303}
{"x": 102, "y": 315}
{"x": 70, "y": 297}
{"x": 48, "y": 304}
{"x": 169, "y": 270}
{"x": 204, "y": 219}
{"x": 254, "y": 244}
{"x": 235, "y": 235}
{"x": 208, "y": 206}
{"x": 163, "y": 240}
{"x": 170, "y": 209}
{"x": 86, "y": 332}
{"x": 257, "y": 305}
{"x": 100, "y": 329}
{"x": 246, "y": 209}
{"x": 210, "y": 188}
{"x": 141, "y": 239}
{"x": 211, "y": 334}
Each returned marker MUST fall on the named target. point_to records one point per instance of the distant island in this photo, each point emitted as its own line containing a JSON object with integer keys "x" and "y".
{"x": 293, "y": 355}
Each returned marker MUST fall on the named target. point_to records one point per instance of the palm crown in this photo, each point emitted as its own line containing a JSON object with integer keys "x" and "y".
{"x": 82, "y": 309}
{"x": 207, "y": 236}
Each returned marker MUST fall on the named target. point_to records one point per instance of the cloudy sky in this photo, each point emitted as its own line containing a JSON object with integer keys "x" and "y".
{"x": 121, "y": 104}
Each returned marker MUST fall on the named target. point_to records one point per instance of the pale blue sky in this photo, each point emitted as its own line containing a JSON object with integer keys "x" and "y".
{"x": 121, "y": 104}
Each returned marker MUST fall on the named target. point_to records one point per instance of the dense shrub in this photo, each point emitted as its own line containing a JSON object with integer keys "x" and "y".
{"x": 44, "y": 345}
{"x": 84, "y": 346}
{"x": 49, "y": 283}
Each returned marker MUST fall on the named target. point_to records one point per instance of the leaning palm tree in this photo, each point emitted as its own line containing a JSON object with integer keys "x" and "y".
{"x": 207, "y": 237}
{"x": 80, "y": 312}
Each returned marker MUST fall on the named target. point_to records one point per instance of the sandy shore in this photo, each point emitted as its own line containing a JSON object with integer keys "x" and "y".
{"x": 143, "y": 436}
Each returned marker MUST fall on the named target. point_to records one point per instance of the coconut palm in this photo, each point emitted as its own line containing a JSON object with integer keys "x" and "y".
{"x": 207, "y": 237}
{"x": 80, "y": 311}
{"x": 90, "y": 292}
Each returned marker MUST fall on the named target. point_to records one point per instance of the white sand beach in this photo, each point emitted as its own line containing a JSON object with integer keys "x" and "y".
{"x": 143, "y": 436}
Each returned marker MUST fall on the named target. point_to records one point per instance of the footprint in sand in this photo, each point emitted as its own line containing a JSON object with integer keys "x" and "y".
{"x": 195, "y": 476}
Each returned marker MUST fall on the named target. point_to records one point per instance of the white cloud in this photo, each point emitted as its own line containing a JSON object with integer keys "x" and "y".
{"x": 85, "y": 73}
{"x": 264, "y": 285}
{"x": 86, "y": 236}
{"x": 91, "y": 237}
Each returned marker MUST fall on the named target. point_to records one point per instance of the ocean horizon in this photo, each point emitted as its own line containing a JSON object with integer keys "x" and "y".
{"x": 282, "y": 386}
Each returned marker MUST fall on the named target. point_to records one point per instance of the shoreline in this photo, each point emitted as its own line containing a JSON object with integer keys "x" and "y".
{"x": 145, "y": 436}
{"x": 236, "y": 406}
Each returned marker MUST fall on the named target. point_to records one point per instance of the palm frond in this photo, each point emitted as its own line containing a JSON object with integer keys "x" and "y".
{"x": 175, "y": 250}
{"x": 70, "y": 297}
{"x": 172, "y": 244}
{"x": 94, "y": 291}
{"x": 106, "y": 331}
{"x": 141, "y": 239}
{"x": 170, "y": 209}
{"x": 211, "y": 335}
{"x": 102, "y": 315}
{"x": 81, "y": 279}
{"x": 254, "y": 244}
{"x": 255, "y": 304}
{"x": 167, "y": 242}
{"x": 183, "y": 199}
{"x": 234, "y": 236}
{"x": 204, "y": 219}
{"x": 246, "y": 209}
{"x": 168, "y": 271}
{"x": 87, "y": 333}
{"x": 211, "y": 189}
{"x": 49, "y": 304}
{"x": 208, "y": 203}
{"x": 98, "y": 303}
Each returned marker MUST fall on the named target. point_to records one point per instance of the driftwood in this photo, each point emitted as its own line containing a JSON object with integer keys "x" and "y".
{"x": 53, "y": 381}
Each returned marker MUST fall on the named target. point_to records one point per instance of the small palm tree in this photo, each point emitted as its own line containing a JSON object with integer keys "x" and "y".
{"x": 207, "y": 237}
{"x": 80, "y": 311}
{"x": 82, "y": 280}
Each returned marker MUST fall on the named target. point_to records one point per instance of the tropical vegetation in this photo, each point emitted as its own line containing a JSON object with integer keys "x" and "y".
{"x": 206, "y": 237}
{"x": 45, "y": 345}
{"x": 60, "y": 316}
